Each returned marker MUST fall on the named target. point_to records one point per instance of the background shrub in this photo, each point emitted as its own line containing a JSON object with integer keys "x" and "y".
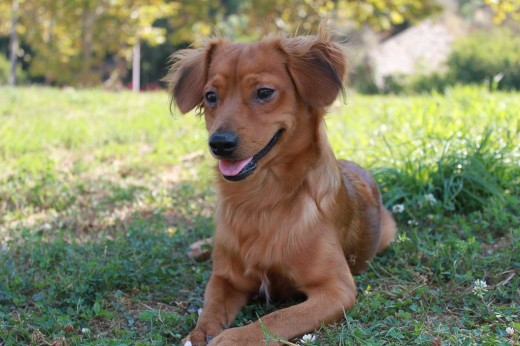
{"x": 492, "y": 57}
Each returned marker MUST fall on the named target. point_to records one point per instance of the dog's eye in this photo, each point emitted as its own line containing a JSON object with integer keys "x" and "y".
{"x": 264, "y": 94}
{"x": 211, "y": 97}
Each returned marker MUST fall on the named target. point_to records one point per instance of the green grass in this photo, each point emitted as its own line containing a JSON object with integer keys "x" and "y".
{"x": 101, "y": 194}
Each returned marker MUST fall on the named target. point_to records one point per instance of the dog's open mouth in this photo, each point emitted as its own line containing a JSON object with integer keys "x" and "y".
{"x": 235, "y": 170}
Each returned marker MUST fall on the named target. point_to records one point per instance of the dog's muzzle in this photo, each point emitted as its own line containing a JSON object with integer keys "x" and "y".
{"x": 235, "y": 170}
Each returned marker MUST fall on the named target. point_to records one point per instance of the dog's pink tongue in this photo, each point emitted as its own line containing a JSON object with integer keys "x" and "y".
{"x": 231, "y": 168}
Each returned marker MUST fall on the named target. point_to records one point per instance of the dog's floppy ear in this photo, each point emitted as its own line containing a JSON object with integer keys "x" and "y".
{"x": 187, "y": 76}
{"x": 317, "y": 66}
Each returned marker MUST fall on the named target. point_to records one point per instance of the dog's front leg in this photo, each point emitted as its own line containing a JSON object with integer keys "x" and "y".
{"x": 328, "y": 296}
{"x": 222, "y": 301}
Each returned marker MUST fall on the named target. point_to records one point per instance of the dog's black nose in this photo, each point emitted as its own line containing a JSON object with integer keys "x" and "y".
{"x": 223, "y": 144}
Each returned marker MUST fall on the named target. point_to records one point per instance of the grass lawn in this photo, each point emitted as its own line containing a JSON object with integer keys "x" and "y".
{"x": 101, "y": 193}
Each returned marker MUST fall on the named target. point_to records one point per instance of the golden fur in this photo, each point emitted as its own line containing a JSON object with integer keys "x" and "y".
{"x": 302, "y": 222}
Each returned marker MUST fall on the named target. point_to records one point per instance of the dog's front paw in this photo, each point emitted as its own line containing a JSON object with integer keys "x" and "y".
{"x": 186, "y": 342}
{"x": 222, "y": 340}
{"x": 202, "y": 335}
{"x": 239, "y": 336}
{"x": 193, "y": 340}
{"x": 196, "y": 339}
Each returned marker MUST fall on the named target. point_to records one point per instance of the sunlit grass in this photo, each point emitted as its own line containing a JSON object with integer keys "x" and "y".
{"x": 101, "y": 193}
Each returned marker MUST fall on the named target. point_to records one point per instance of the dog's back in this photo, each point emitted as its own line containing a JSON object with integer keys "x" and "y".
{"x": 372, "y": 227}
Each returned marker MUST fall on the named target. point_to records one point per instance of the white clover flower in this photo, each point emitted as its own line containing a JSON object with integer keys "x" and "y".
{"x": 430, "y": 199}
{"x": 510, "y": 331}
{"x": 413, "y": 223}
{"x": 85, "y": 331}
{"x": 398, "y": 208}
{"x": 479, "y": 288}
{"x": 308, "y": 338}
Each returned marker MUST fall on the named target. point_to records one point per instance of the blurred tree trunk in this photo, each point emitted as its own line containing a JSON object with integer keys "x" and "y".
{"x": 86, "y": 77}
{"x": 136, "y": 67}
{"x": 13, "y": 44}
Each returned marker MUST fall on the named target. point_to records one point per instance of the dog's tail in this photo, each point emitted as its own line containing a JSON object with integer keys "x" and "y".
{"x": 388, "y": 230}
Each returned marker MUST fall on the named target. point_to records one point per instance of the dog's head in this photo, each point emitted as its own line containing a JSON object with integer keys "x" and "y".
{"x": 258, "y": 99}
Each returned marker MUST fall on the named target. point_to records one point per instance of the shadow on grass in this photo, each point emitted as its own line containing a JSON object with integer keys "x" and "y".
{"x": 112, "y": 265}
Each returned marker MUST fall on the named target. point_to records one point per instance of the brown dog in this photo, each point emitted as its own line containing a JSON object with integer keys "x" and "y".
{"x": 290, "y": 218}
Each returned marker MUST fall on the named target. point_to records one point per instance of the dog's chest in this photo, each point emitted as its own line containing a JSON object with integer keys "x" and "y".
{"x": 268, "y": 240}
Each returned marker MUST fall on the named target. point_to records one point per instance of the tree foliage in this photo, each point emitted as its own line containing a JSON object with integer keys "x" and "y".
{"x": 79, "y": 42}
{"x": 504, "y": 9}
{"x": 256, "y": 18}
{"x": 5, "y": 17}
{"x": 382, "y": 14}
{"x": 72, "y": 38}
